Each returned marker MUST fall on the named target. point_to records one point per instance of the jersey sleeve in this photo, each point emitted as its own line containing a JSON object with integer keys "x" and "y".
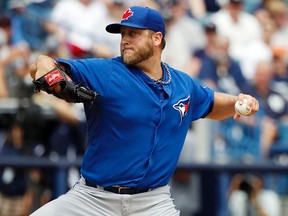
{"x": 202, "y": 100}
{"x": 94, "y": 73}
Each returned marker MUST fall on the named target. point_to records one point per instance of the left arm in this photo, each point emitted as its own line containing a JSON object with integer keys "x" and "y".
{"x": 224, "y": 106}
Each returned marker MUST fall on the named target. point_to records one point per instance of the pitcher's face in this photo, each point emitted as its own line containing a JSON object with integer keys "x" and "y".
{"x": 136, "y": 45}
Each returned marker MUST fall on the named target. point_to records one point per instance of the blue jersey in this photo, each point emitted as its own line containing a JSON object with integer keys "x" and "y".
{"x": 137, "y": 128}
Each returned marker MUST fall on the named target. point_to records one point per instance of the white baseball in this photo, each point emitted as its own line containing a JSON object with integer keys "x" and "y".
{"x": 242, "y": 109}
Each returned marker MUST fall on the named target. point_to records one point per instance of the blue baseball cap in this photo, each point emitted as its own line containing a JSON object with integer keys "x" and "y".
{"x": 141, "y": 18}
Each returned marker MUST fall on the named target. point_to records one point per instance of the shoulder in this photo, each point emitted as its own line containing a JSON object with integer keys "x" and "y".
{"x": 88, "y": 62}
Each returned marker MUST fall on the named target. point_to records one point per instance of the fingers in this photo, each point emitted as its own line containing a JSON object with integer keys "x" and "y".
{"x": 236, "y": 116}
{"x": 252, "y": 104}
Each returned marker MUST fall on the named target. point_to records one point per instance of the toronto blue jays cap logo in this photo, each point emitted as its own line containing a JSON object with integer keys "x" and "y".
{"x": 182, "y": 107}
{"x": 128, "y": 13}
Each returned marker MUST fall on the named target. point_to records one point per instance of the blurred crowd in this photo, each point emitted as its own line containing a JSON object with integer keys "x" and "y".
{"x": 231, "y": 46}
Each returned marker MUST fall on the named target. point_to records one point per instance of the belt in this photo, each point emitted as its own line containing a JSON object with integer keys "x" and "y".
{"x": 119, "y": 189}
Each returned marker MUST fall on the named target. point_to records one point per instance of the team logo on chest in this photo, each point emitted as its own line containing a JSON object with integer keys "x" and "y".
{"x": 182, "y": 107}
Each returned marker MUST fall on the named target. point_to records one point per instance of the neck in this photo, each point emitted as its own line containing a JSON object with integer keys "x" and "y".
{"x": 152, "y": 68}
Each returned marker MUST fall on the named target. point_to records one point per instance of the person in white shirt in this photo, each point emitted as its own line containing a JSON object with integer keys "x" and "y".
{"x": 240, "y": 27}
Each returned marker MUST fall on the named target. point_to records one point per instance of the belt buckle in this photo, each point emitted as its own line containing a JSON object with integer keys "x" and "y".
{"x": 120, "y": 188}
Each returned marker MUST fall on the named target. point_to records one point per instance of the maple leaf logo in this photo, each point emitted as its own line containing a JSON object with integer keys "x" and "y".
{"x": 128, "y": 13}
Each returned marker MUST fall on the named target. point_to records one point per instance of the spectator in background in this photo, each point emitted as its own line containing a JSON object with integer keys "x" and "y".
{"x": 38, "y": 191}
{"x": 203, "y": 9}
{"x": 3, "y": 87}
{"x": 203, "y": 56}
{"x": 251, "y": 6}
{"x": 107, "y": 45}
{"x": 3, "y": 6}
{"x": 13, "y": 63}
{"x": 17, "y": 197}
{"x": 66, "y": 132}
{"x": 21, "y": 190}
{"x": 145, "y": 3}
{"x": 277, "y": 10}
{"x": 16, "y": 9}
{"x": 76, "y": 30}
{"x": 13, "y": 181}
{"x": 278, "y": 13}
{"x": 69, "y": 133}
{"x": 273, "y": 106}
{"x": 260, "y": 50}
{"x": 280, "y": 77}
{"x": 28, "y": 20}
{"x": 221, "y": 71}
{"x": 280, "y": 65}
{"x": 248, "y": 196}
{"x": 240, "y": 27}
{"x": 184, "y": 35}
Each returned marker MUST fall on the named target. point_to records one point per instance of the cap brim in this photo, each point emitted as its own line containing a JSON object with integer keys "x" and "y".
{"x": 115, "y": 28}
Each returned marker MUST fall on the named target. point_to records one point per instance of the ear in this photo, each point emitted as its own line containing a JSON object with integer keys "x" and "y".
{"x": 157, "y": 38}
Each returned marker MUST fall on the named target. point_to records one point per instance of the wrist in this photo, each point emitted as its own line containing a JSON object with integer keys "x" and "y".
{"x": 235, "y": 99}
{"x": 43, "y": 65}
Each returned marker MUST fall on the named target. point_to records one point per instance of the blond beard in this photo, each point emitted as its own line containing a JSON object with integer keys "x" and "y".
{"x": 141, "y": 54}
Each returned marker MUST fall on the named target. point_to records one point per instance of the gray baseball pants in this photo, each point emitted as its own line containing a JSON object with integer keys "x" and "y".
{"x": 82, "y": 200}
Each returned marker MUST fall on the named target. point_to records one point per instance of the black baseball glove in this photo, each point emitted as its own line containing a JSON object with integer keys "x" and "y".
{"x": 69, "y": 92}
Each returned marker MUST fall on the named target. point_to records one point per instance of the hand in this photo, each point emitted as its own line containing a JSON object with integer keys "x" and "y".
{"x": 252, "y": 104}
{"x": 41, "y": 66}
